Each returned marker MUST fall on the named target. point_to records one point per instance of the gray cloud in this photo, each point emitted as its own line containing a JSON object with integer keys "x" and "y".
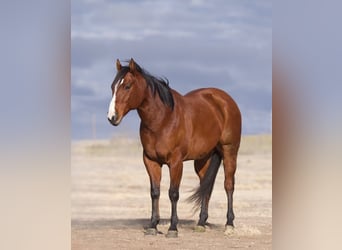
{"x": 225, "y": 44}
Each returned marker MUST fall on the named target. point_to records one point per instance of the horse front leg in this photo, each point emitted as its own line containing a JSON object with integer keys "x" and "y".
{"x": 176, "y": 171}
{"x": 154, "y": 171}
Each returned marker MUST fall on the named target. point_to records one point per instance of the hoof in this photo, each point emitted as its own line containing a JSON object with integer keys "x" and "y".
{"x": 199, "y": 229}
{"x": 229, "y": 230}
{"x": 151, "y": 231}
{"x": 172, "y": 234}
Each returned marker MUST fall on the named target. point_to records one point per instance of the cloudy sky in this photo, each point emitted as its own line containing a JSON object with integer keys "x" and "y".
{"x": 219, "y": 43}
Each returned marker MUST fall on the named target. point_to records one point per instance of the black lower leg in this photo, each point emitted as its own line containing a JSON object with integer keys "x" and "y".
{"x": 174, "y": 196}
{"x": 155, "y": 193}
{"x": 204, "y": 213}
{"x": 230, "y": 213}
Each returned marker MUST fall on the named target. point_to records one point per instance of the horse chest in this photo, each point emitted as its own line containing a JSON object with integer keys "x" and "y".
{"x": 158, "y": 149}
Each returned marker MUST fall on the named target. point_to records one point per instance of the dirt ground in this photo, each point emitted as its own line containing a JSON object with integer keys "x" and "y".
{"x": 110, "y": 200}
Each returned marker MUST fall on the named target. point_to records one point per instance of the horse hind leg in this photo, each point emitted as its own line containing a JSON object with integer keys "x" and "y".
{"x": 229, "y": 161}
{"x": 206, "y": 170}
{"x": 201, "y": 166}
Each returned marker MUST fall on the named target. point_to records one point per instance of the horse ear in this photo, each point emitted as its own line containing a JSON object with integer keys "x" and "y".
{"x": 118, "y": 65}
{"x": 132, "y": 65}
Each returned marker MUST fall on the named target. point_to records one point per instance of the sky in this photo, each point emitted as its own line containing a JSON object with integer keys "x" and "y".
{"x": 194, "y": 44}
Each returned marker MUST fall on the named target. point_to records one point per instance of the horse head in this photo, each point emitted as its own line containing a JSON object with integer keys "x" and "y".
{"x": 127, "y": 91}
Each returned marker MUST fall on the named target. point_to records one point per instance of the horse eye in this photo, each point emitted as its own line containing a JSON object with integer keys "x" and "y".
{"x": 127, "y": 87}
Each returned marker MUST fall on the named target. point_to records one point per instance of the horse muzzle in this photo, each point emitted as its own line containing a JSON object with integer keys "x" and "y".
{"x": 114, "y": 120}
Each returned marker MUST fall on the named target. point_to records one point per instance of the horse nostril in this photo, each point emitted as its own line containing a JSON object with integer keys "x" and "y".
{"x": 113, "y": 119}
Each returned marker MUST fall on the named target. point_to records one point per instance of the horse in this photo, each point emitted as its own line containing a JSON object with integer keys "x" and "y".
{"x": 204, "y": 125}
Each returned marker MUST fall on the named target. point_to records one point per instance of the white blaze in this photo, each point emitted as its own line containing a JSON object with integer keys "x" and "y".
{"x": 111, "y": 110}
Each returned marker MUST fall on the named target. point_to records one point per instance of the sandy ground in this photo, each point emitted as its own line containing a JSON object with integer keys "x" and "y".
{"x": 110, "y": 200}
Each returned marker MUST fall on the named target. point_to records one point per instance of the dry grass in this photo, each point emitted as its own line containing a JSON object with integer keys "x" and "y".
{"x": 110, "y": 200}
{"x": 252, "y": 144}
{"x": 119, "y": 145}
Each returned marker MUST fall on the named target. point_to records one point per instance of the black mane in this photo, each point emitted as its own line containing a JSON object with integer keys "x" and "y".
{"x": 157, "y": 84}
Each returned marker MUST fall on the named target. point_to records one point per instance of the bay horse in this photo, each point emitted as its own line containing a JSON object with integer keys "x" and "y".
{"x": 204, "y": 125}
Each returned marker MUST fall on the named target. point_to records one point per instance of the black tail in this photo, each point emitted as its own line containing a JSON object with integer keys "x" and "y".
{"x": 206, "y": 187}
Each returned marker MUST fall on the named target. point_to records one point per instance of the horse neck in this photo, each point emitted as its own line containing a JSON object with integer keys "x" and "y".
{"x": 153, "y": 111}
